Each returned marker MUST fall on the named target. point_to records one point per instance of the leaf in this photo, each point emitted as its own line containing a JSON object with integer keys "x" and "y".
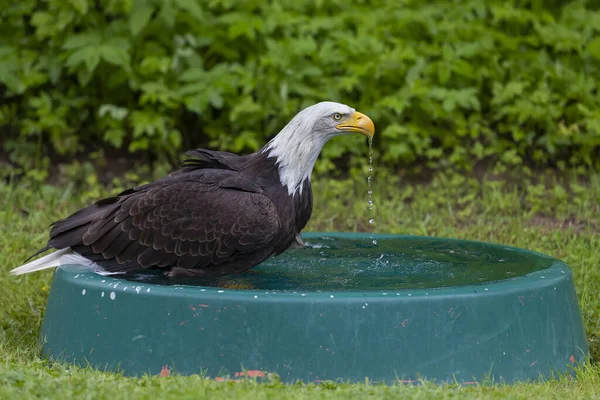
{"x": 148, "y": 123}
{"x": 82, "y": 40}
{"x": 168, "y": 13}
{"x": 150, "y": 65}
{"x": 115, "y": 136}
{"x": 12, "y": 82}
{"x": 114, "y": 55}
{"x": 593, "y": 48}
{"x": 197, "y": 103}
{"x": 241, "y": 28}
{"x": 245, "y": 109}
{"x": 41, "y": 18}
{"x": 505, "y": 94}
{"x": 54, "y": 70}
{"x": 193, "y": 74}
{"x": 175, "y": 139}
{"x": 84, "y": 76}
{"x": 44, "y": 23}
{"x": 117, "y": 113}
{"x": 86, "y": 55}
{"x": 193, "y": 7}
{"x": 216, "y": 100}
{"x": 139, "y": 17}
{"x": 139, "y": 144}
{"x": 80, "y": 5}
{"x": 443, "y": 73}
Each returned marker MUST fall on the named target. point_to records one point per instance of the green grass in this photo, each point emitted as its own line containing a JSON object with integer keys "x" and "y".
{"x": 557, "y": 216}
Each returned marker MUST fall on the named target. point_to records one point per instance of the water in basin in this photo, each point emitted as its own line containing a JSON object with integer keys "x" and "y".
{"x": 329, "y": 263}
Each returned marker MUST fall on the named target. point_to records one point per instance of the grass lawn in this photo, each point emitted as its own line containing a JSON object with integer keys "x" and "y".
{"x": 556, "y": 216}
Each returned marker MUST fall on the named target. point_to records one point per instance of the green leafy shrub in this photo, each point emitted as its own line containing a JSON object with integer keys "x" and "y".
{"x": 448, "y": 83}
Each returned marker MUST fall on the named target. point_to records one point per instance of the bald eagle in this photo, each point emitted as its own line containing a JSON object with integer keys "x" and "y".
{"x": 219, "y": 213}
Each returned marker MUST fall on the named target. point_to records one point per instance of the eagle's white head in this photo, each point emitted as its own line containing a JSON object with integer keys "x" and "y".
{"x": 298, "y": 145}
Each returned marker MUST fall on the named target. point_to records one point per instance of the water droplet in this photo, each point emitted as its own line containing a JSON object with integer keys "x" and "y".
{"x": 370, "y": 191}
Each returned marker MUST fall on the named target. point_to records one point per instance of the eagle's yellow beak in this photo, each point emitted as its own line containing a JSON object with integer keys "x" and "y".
{"x": 358, "y": 122}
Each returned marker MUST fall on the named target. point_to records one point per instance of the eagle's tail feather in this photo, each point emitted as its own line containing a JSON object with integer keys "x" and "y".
{"x": 61, "y": 257}
{"x": 51, "y": 260}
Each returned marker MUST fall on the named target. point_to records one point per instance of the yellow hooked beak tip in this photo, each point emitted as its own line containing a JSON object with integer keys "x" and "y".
{"x": 358, "y": 122}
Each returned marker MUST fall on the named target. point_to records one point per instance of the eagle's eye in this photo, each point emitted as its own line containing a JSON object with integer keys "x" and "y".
{"x": 337, "y": 116}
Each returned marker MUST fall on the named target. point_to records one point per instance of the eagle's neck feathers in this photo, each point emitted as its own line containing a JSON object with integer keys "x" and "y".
{"x": 296, "y": 148}
{"x": 296, "y": 153}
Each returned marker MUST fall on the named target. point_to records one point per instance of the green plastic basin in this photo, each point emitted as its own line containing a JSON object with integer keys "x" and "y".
{"x": 342, "y": 308}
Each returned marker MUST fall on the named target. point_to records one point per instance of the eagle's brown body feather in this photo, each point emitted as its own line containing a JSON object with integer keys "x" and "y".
{"x": 218, "y": 214}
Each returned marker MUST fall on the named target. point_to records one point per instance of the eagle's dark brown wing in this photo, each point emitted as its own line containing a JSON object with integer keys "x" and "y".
{"x": 215, "y": 221}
